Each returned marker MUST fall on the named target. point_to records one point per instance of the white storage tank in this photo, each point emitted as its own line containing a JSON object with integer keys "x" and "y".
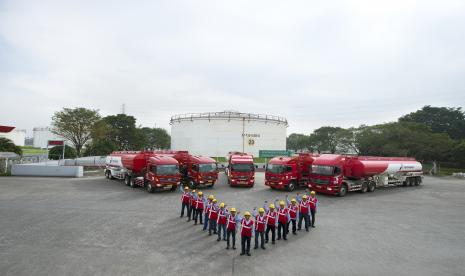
{"x": 217, "y": 133}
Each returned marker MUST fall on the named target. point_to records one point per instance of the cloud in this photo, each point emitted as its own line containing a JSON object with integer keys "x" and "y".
{"x": 340, "y": 63}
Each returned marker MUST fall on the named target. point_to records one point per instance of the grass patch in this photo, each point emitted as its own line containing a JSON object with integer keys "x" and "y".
{"x": 442, "y": 171}
{"x": 31, "y": 150}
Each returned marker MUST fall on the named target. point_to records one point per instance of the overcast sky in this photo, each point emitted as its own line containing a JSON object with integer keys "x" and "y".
{"x": 338, "y": 63}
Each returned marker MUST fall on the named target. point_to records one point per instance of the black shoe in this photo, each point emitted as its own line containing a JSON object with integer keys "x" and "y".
{"x": 227, "y": 247}
{"x": 278, "y": 238}
{"x": 255, "y": 247}
{"x": 273, "y": 242}
{"x": 313, "y": 226}
{"x": 215, "y": 233}
{"x": 234, "y": 247}
{"x": 209, "y": 234}
{"x": 306, "y": 229}
{"x": 294, "y": 233}
{"x": 218, "y": 239}
{"x": 180, "y": 216}
{"x": 266, "y": 241}
{"x": 248, "y": 254}
{"x": 298, "y": 229}
{"x": 224, "y": 239}
{"x": 242, "y": 253}
{"x": 263, "y": 247}
{"x": 285, "y": 239}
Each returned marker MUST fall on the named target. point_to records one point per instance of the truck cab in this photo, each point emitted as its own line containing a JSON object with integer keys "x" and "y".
{"x": 162, "y": 173}
{"x": 326, "y": 174}
{"x": 241, "y": 170}
{"x": 201, "y": 171}
{"x": 284, "y": 172}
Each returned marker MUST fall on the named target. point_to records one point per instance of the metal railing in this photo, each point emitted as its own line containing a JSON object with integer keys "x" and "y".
{"x": 227, "y": 115}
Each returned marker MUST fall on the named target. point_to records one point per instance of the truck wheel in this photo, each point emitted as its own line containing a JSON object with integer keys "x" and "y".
{"x": 132, "y": 183}
{"x": 149, "y": 187}
{"x": 371, "y": 187}
{"x": 364, "y": 188}
{"x": 127, "y": 180}
{"x": 343, "y": 190}
{"x": 410, "y": 182}
{"x": 417, "y": 181}
{"x": 291, "y": 186}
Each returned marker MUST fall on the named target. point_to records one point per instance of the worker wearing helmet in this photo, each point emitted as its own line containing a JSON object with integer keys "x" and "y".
{"x": 293, "y": 211}
{"x": 212, "y": 217}
{"x": 313, "y": 205}
{"x": 271, "y": 222}
{"x": 283, "y": 218}
{"x": 185, "y": 200}
{"x": 193, "y": 202}
{"x": 206, "y": 211}
{"x": 246, "y": 233}
{"x": 232, "y": 221}
{"x": 221, "y": 221}
{"x": 304, "y": 212}
{"x": 260, "y": 222}
{"x": 199, "y": 207}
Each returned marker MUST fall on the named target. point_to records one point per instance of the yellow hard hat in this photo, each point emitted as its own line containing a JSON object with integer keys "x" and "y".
{"x": 271, "y": 206}
{"x": 200, "y": 193}
{"x": 247, "y": 214}
{"x": 233, "y": 209}
{"x": 261, "y": 210}
{"x": 304, "y": 197}
{"x": 214, "y": 200}
{"x": 222, "y": 204}
{"x": 281, "y": 203}
{"x": 211, "y": 197}
{"x": 293, "y": 200}
{"x": 312, "y": 192}
{"x": 186, "y": 188}
{"x": 193, "y": 190}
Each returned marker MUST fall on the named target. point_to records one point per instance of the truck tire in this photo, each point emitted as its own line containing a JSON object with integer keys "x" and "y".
{"x": 132, "y": 183}
{"x": 371, "y": 187}
{"x": 149, "y": 187}
{"x": 417, "y": 181}
{"x": 291, "y": 186}
{"x": 343, "y": 190}
{"x": 127, "y": 180}
{"x": 410, "y": 181}
{"x": 364, "y": 188}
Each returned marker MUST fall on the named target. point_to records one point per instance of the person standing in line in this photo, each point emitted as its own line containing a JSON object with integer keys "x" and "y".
{"x": 233, "y": 220}
{"x": 260, "y": 222}
{"x": 193, "y": 202}
{"x": 270, "y": 222}
{"x": 212, "y": 217}
{"x": 313, "y": 206}
{"x": 185, "y": 201}
{"x": 283, "y": 218}
{"x": 304, "y": 210}
{"x": 206, "y": 211}
{"x": 222, "y": 221}
{"x": 199, "y": 206}
{"x": 293, "y": 211}
{"x": 246, "y": 233}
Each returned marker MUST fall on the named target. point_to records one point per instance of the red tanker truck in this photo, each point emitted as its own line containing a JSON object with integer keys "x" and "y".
{"x": 338, "y": 174}
{"x": 284, "y": 172}
{"x": 240, "y": 170}
{"x": 147, "y": 169}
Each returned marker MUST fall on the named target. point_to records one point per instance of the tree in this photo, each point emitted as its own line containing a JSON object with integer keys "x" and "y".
{"x": 99, "y": 148}
{"x": 56, "y": 152}
{"x": 347, "y": 140}
{"x": 6, "y": 145}
{"x": 156, "y": 138}
{"x": 75, "y": 125}
{"x": 440, "y": 120}
{"x": 459, "y": 152}
{"x": 123, "y": 132}
{"x": 298, "y": 142}
{"x": 325, "y": 139}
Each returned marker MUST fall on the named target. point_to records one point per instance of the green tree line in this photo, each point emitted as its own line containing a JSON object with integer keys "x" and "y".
{"x": 91, "y": 134}
{"x": 428, "y": 134}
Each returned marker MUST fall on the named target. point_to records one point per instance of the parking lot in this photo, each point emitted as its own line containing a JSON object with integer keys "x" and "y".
{"x": 95, "y": 226}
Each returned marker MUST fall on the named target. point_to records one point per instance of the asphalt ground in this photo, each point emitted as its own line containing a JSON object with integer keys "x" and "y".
{"x": 95, "y": 226}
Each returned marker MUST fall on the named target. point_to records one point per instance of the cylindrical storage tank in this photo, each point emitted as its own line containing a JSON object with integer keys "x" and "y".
{"x": 369, "y": 166}
{"x": 217, "y": 133}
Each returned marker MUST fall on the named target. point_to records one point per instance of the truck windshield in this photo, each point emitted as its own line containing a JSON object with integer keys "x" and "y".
{"x": 167, "y": 169}
{"x": 242, "y": 167}
{"x": 323, "y": 170}
{"x": 207, "y": 167}
{"x": 275, "y": 168}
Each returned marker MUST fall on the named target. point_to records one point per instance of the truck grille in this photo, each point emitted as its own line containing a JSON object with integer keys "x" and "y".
{"x": 319, "y": 181}
{"x": 274, "y": 178}
{"x": 166, "y": 180}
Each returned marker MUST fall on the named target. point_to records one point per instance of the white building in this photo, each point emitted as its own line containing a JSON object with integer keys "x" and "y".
{"x": 41, "y": 136}
{"x": 217, "y": 133}
{"x": 18, "y": 136}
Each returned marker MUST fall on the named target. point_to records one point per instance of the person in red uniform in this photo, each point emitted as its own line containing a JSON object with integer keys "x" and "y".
{"x": 246, "y": 233}
{"x": 271, "y": 221}
{"x": 233, "y": 220}
{"x": 313, "y": 205}
{"x": 212, "y": 217}
{"x": 260, "y": 222}
{"x": 304, "y": 210}
{"x": 193, "y": 202}
{"x": 185, "y": 200}
{"x": 293, "y": 211}
{"x": 206, "y": 211}
{"x": 221, "y": 221}
{"x": 283, "y": 218}
{"x": 199, "y": 205}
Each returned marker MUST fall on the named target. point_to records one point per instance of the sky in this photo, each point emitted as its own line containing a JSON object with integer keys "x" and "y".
{"x": 316, "y": 63}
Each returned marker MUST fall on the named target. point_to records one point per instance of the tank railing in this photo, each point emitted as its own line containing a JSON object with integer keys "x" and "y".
{"x": 228, "y": 115}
